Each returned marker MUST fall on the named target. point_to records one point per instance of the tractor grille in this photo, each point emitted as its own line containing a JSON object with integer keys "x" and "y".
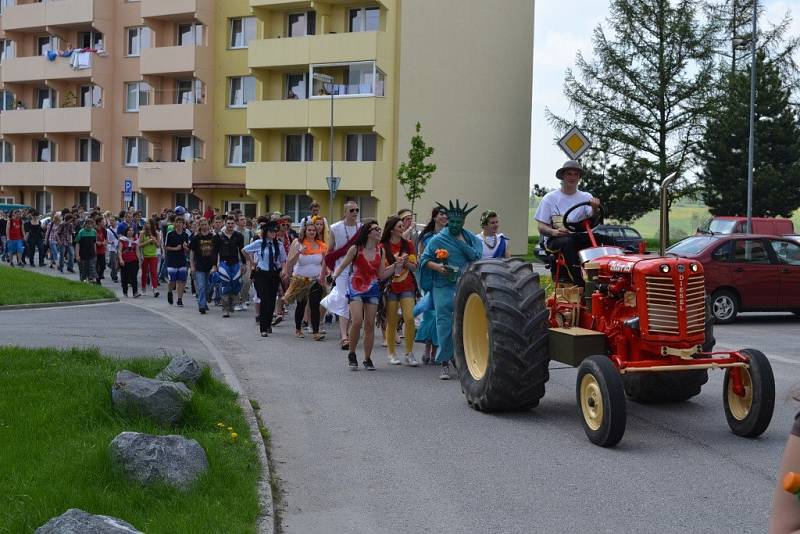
{"x": 663, "y": 305}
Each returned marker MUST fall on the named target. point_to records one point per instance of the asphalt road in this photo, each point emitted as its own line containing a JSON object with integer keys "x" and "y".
{"x": 399, "y": 451}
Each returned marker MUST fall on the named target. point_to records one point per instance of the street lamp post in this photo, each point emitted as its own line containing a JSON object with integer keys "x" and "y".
{"x": 752, "y": 140}
{"x": 333, "y": 181}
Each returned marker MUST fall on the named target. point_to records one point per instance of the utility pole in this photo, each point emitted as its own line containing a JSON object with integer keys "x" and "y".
{"x": 752, "y": 140}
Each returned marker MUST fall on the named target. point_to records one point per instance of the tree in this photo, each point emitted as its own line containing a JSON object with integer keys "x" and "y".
{"x": 415, "y": 174}
{"x": 645, "y": 95}
{"x": 723, "y": 152}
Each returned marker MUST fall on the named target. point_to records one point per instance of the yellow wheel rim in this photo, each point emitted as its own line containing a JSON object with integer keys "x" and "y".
{"x": 591, "y": 401}
{"x": 476, "y": 336}
{"x": 740, "y": 406}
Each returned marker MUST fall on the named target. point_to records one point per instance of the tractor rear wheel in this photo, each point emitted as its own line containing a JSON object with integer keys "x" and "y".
{"x": 749, "y": 415}
{"x": 500, "y": 335}
{"x": 601, "y": 399}
{"x": 677, "y": 386}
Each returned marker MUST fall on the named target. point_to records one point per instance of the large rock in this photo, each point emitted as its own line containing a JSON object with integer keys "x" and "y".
{"x": 147, "y": 459}
{"x": 181, "y": 369}
{"x": 75, "y": 521}
{"x": 162, "y": 401}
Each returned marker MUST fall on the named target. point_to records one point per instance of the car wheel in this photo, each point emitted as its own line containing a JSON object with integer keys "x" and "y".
{"x": 724, "y": 306}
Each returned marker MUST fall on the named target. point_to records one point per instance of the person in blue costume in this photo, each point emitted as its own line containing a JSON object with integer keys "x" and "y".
{"x": 426, "y": 332}
{"x": 446, "y": 256}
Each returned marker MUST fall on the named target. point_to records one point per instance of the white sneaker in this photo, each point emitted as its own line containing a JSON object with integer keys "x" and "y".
{"x": 393, "y": 360}
{"x": 411, "y": 360}
{"x": 445, "y": 375}
{"x": 238, "y": 307}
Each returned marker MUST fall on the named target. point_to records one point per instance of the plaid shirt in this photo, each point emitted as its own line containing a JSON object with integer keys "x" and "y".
{"x": 65, "y": 232}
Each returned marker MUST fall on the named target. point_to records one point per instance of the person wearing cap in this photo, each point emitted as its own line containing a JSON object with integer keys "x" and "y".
{"x": 266, "y": 257}
{"x": 410, "y": 231}
{"x": 550, "y": 217}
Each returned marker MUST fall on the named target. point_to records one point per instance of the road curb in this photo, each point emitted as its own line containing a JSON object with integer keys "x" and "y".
{"x": 67, "y": 304}
{"x": 265, "y": 523}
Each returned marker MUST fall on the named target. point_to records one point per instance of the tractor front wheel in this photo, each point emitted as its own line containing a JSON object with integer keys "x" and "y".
{"x": 500, "y": 335}
{"x": 750, "y": 412}
{"x": 601, "y": 398}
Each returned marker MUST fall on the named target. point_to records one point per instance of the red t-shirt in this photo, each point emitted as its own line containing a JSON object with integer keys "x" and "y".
{"x": 15, "y": 229}
{"x": 405, "y": 280}
{"x": 101, "y": 241}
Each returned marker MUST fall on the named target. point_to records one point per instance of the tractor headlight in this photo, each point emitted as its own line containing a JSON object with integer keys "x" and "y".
{"x": 694, "y": 268}
{"x": 664, "y": 268}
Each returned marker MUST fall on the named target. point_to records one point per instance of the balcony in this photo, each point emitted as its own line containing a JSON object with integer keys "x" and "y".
{"x": 329, "y": 48}
{"x": 300, "y": 175}
{"x": 174, "y": 8}
{"x": 49, "y": 174}
{"x": 316, "y": 113}
{"x": 295, "y": 4}
{"x": 166, "y": 174}
{"x": 37, "y": 16}
{"x": 38, "y": 68}
{"x": 175, "y": 117}
{"x": 175, "y": 60}
{"x": 58, "y": 120}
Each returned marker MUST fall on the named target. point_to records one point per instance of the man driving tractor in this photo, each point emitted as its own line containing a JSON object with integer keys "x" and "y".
{"x": 550, "y": 218}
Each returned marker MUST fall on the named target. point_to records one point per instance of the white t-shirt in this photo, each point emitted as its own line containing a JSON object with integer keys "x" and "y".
{"x": 558, "y": 203}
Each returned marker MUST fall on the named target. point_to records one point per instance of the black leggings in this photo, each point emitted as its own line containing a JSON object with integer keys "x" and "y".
{"x": 267, "y": 283}
{"x": 130, "y": 273}
{"x": 313, "y": 299}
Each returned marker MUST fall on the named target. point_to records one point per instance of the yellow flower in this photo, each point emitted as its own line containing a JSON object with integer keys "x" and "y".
{"x": 234, "y": 436}
{"x": 220, "y": 425}
{"x": 230, "y": 429}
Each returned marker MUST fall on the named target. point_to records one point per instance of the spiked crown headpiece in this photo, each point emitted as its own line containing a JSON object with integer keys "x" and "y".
{"x": 458, "y": 210}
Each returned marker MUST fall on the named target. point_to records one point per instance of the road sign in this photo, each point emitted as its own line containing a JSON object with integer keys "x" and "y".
{"x": 127, "y": 197}
{"x": 128, "y": 189}
{"x": 574, "y": 143}
{"x": 333, "y": 183}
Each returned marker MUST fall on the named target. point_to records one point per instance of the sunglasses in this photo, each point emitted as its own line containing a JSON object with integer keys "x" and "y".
{"x": 354, "y": 210}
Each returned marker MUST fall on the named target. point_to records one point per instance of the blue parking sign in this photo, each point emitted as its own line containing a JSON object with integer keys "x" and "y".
{"x": 128, "y": 187}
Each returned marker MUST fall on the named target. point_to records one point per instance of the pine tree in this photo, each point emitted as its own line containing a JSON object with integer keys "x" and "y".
{"x": 723, "y": 154}
{"x": 415, "y": 174}
{"x": 645, "y": 96}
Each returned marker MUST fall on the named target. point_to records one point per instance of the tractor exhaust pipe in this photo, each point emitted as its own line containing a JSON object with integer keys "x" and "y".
{"x": 664, "y": 221}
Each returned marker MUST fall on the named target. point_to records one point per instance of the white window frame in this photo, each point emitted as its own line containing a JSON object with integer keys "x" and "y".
{"x": 294, "y": 210}
{"x": 53, "y": 45}
{"x": 338, "y": 87}
{"x": 136, "y": 51}
{"x": 182, "y": 199}
{"x": 240, "y": 102}
{"x": 141, "y": 155}
{"x": 197, "y": 34}
{"x": 196, "y": 91}
{"x": 195, "y": 143}
{"x": 51, "y": 145}
{"x": 142, "y": 88}
{"x": 7, "y": 49}
{"x": 360, "y": 146}
{"x": 287, "y": 88}
{"x": 51, "y": 100}
{"x": 304, "y": 148}
{"x": 306, "y": 18}
{"x": 90, "y": 200}
{"x": 3, "y": 100}
{"x": 138, "y": 202}
{"x": 96, "y": 96}
{"x": 231, "y": 205}
{"x": 229, "y": 159}
{"x": 3, "y": 144}
{"x": 7, "y": 200}
{"x": 90, "y": 150}
{"x": 363, "y": 11}
{"x": 46, "y": 206}
{"x": 95, "y": 38}
{"x": 243, "y": 42}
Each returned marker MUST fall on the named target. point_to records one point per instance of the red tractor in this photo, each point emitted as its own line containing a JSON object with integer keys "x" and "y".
{"x": 640, "y": 328}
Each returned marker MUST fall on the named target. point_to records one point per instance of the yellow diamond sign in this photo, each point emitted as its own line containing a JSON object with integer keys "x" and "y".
{"x": 574, "y": 143}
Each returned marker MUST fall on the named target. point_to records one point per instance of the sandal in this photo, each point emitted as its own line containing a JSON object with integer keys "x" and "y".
{"x": 319, "y": 336}
{"x": 345, "y": 344}
{"x": 299, "y": 333}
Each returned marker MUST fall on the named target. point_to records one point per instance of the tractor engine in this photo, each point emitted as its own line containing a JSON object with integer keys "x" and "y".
{"x": 647, "y": 307}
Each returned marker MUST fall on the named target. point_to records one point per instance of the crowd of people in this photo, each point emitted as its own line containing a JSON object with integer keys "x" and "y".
{"x": 398, "y": 278}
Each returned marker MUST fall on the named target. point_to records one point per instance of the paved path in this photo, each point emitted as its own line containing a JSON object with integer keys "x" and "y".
{"x": 399, "y": 451}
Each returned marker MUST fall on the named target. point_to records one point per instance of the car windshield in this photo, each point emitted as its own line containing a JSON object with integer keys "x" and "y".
{"x": 691, "y": 245}
{"x": 720, "y": 226}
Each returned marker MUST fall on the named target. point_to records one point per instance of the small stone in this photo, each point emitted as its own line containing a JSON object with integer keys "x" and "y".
{"x": 162, "y": 401}
{"x": 181, "y": 369}
{"x": 75, "y": 521}
{"x": 148, "y": 459}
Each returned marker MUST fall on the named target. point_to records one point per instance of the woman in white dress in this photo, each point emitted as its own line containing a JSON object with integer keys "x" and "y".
{"x": 495, "y": 244}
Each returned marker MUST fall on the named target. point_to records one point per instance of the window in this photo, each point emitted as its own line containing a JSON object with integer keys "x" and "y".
{"x": 240, "y": 150}
{"x": 136, "y": 94}
{"x": 297, "y": 206}
{"x": 302, "y": 24}
{"x": 243, "y": 30}
{"x": 365, "y": 19}
{"x": 138, "y": 39}
{"x": 188, "y": 201}
{"x": 241, "y": 90}
{"x": 91, "y": 96}
{"x": 136, "y": 151}
{"x": 368, "y": 206}
{"x": 190, "y": 34}
{"x": 88, "y": 150}
{"x": 188, "y": 148}
{"x": 7, "y": 100}
{"x": 362, "y": 78}
{"x": 361, "y": 147}
{"x": 45, "y": 98}
{"x": 87, "y": 199}
{"x": 749, "y": 251}
{"x": 44, "y": 150}
{"x": 296, "y": 86}
{"x": 139, "y": 202}
{"x": 189, "y": 91}
{"x": 7, "y": 200}
{"x": 6, "y": 49}
{"x": 787, "y": 252}
{"x": 300, "y": 147}
{"x": 44, "y": 202}
{"x": 90, "y": 39}
{"x": 4, "y": 4}
{"x": 6, "y": 152}
{"x": 47, "y": 43}
{"x": 247, "y": 208}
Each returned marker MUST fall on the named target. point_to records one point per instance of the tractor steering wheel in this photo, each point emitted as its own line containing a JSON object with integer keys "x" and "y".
{"x": 579, "y": 226}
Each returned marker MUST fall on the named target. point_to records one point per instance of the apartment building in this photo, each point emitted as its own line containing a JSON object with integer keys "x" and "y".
{"x": 228, "y": 103}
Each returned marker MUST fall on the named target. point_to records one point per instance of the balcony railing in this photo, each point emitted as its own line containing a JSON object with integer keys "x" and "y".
{"x": 183, "y": 117}
{"x": 37, "y": 68}
{"x": 39, "y": 15}
{"x": 166, "y": 174}
{"x": 328, "y": 48}
{"x": 56, "y": 120}
{"x": 50, "y": 174}
{"x": 173, "y": 8}
{"x": 316, "y": 113}
{"x": 175, "y": 59}
{"x": 310, "y": 175}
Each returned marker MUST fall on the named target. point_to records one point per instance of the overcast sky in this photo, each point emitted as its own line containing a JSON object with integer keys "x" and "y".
{"x": 560, "y": 30}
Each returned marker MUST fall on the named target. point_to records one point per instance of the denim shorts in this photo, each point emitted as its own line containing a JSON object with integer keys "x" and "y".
{"x": 394, "y": 297}
{"x": 177, "y": 274}
{"x": 370, "y": 296}
{"x": 15, "y": 245}
{"x": 366, "y": 299}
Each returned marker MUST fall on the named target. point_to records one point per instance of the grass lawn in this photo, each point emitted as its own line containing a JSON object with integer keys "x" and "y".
{"x": 56, "y": 422}
{"x": 20, "y": 286}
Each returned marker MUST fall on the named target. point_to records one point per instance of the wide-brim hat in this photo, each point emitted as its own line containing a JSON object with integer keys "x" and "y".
{"x": 569, "y": 164}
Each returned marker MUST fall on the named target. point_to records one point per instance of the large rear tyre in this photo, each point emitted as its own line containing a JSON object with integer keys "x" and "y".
{"x": 678, "y": 386}
{"x": 500, "y": 335}
{"x": 601, "y": 399}
{"x": 749, "y": 415}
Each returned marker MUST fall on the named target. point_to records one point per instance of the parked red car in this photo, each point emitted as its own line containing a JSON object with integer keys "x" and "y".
{"x": 746, "y": 272}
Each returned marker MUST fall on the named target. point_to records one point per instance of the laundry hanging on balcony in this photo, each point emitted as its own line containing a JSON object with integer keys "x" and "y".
{"x": 81, "y": 60}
